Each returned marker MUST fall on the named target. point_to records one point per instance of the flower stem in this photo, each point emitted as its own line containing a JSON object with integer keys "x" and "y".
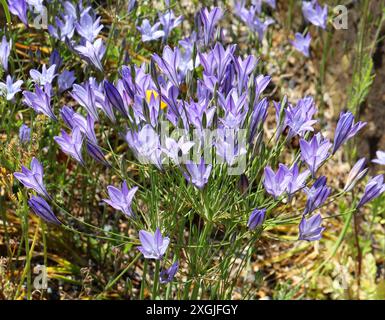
{"x": 156, "y": 280}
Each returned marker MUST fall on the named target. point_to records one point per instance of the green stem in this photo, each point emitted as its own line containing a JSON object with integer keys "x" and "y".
{"x": 112, "y": 282}
{"x": 143, "y": 284}
{"x": 156, "y": 280}
{"x": 27, "y": 255}
{"x": 6, "y": 11}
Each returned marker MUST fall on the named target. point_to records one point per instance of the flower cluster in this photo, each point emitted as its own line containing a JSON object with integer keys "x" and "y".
{"x": 213, "y": 99}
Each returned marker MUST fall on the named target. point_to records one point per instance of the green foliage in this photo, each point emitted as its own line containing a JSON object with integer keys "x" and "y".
{"x": 362, "y": 80}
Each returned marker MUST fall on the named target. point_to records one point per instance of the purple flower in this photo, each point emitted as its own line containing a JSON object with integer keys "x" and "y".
{"x": 96, "y": 153}
{"x": 241, "y": 11}
{"x": 131, "y": 86}
{"x": 316, "y": 195}
{"x": 131, "y": 5}
{"x": 169, "y": 63}
{"x": 227, "y": 84}
{"x": 87, "y": 27}
{"x": 256, "y": 218}
{"x": 153, "y": 246}
{"x": 251, "y": 19}
{"x": 310, "y": 229}
{"x": 346, "y": 129}
{"x": 65, "y": 80}
{"x": 243, "y": 184}
{"x": 357, "y": 173}
{"x": 258, "y": 117}
{"x": 314, "y": 13}
{"x": 114, "y": 98}
{"x": 66, "y": 114}
{"x": 72, "y": 10}
{"x": 276, "y": 183}
{"x": 380, "y": 158}
{"x": 233, "y": 120}
{"x": 43, "y": 77}
{"x": 176, "y": 150}
{"x": 300, "y": 118}
{"x": 71, "y": 144}
{"x": 302, "y": 43}
{"x": 209, "y": 20}
{"x": 216, "y": 62}
{"x": 86, "y": 126}
{"x": 37, "y": 5}
{"x": 146, "y": 145}
{"x": 187, "y": 57}
{"x": 121, "y": 199}
{"x": 40, "y": 101}
{"x": 261, "y": 83}
{"x": 64, "y": 28}
{"x": 55, "y": 59}
{"x": 169, "y": 22}
{"x": 10, "y": 88}
{"x": 19, "y": 8}
{"x": 86, "y": 97}
{"x": 153, "y": 105}
{"x": 24, "y": 134}
{"x": 373, "y": 189}
{"x": 198, "y": 174}
{"x": 5, "y": 50}
{"x": 244, "y": 69}
{"x": 92, "y": 52}
{"x": 228, "y": 148}
{"x": 43, "y": 210}
{"x": 315, "y": 152}
{"x": 261, "y": 26}
{"x": 279, "y": 118}
{"x": 297, "y": 180}
{"x": 247, "y": 15}
{"x": 233, "y": 104}
{"x": 33, "y": 179}
{"x": 150, "y": 33}
{"x": 167, "y": 275}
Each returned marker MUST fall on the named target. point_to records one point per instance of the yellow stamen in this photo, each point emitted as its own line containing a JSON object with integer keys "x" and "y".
{"x": 149, "y": 93}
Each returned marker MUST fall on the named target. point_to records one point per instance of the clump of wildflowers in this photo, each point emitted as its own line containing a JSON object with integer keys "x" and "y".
{"x": 216, "y": 101}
